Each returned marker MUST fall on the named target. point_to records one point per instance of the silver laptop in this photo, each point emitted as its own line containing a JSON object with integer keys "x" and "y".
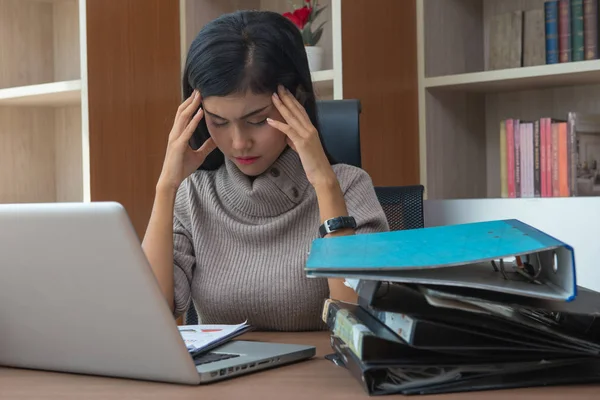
{"x": 77, "y": 295}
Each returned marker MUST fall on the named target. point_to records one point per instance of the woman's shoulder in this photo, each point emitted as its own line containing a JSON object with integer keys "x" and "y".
{"x": 199, "y": 178}
{"x": 351, "y": 177}
{"x": 191, "y": 189}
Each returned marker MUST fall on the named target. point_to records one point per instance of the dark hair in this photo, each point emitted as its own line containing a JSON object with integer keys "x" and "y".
{"x": 247, "y": 50}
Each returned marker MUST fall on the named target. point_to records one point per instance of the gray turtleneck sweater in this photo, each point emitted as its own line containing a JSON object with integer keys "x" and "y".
{"x": 240, "y": 245}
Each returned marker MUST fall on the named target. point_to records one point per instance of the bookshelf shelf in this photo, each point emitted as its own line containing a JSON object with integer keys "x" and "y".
{"x": 465, "y": 95}
{"x": 323, "y": 76}
{"x": 45, "y": 94}
{"x": 524, "y": 78}
{"x": 324, "y": 82}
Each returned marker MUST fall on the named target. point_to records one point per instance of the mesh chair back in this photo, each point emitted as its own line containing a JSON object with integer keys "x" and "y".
{"x": 402, "y": 205}
{"x": 191, "y": 317}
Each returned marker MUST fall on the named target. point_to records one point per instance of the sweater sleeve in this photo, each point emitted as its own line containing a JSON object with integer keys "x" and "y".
{"x": 184, "y": 259}
{"x": 363, "y": 205}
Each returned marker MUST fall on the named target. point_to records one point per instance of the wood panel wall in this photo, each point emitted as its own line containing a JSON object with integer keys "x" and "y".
{"x": 134, "y": 91}
{"x": 379, "y": 56}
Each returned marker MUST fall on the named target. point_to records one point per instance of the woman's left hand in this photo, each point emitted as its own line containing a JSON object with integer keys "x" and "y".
{"x": 303, "y": 138}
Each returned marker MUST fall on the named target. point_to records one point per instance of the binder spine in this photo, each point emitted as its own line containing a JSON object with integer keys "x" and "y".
{"x": 344, "y": 324}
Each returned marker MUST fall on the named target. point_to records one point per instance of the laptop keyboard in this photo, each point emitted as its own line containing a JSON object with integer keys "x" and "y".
{"x": 213, "y": 357}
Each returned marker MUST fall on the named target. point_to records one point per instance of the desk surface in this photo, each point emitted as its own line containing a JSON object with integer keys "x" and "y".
{"x": 317, "y": 378}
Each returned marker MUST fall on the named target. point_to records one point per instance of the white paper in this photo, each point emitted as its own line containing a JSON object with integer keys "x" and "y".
{"x": 199, "y": 336}
{"x": 352, "y": 283}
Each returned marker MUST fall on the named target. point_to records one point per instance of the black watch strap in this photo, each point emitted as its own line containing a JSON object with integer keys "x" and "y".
{"x": 335, "y": 224}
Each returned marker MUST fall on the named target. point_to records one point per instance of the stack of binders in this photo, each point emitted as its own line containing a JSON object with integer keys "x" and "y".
{"x": 479, "y": 306}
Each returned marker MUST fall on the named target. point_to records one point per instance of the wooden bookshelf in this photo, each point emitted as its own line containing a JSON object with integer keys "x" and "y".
{"x": 462, "y": 102}
{"x": 41, "y": 153}
{"x": 78, "y": 119}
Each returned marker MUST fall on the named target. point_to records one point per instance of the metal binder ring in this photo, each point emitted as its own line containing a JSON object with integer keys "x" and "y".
{"x": 539, "y": 269}
{"x": 494, "y": 266}
{"x": 502, "y": 269}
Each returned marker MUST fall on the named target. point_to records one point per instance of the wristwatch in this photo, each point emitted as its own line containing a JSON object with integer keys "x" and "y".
{"x": 335, "y": 224}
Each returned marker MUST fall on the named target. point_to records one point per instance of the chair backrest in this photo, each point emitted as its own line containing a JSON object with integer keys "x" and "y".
{"x": 402, "y": 205}
{"x": 340, "y": 129}
{"x": 191, "y": 316}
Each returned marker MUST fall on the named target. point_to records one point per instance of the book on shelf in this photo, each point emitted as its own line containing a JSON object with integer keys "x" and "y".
{"x": 506, "y": 32}
{"x": 590, "y": 29}
{"x": 571, "y": 30}
{"x": 534, "y": 44}
{"x": 550, "y": 157}
{"x": 560, "y": 31}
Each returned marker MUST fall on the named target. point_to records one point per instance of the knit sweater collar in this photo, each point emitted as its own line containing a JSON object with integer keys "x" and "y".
{"x": 277, "y": 190}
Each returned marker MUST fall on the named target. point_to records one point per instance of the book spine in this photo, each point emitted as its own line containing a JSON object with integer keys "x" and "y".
{"x": 503, "y": 161}
{"x": 551, "y": 26}
{"x": 549, "y": 158}
{"x": 573, "y": 158}
{"x": 510, "y": 157}
{"x": 555, "y": 187}
{"x": 570, "y": 181}
{"x": 564, "y": 31}
{"x": 563, "y": 160}
{"x": 517, "y": 131}
{"x": 543, "y": 156}
{"x": 577, "y": 30}
{"x": 534, "y": 146}
{"x": 590, "y": 25}
{"x": 523, "y": 160}
{"x": 530, "y": 161}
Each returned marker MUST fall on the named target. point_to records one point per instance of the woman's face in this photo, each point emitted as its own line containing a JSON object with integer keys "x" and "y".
{"x": 237, "y": 124}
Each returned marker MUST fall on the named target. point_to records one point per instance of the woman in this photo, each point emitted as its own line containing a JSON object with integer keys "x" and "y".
{"x": 233, "y": 220}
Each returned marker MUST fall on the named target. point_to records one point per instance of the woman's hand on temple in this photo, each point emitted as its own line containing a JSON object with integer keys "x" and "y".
{"x": 303, "y": 138}
{"x": 180, "y": 159}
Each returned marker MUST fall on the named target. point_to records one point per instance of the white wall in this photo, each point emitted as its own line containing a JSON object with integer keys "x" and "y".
{"x": 574, "y": 220}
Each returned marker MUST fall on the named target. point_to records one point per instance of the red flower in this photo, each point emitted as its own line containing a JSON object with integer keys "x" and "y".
{"x": 300, "y": 16}
{"x": 293, "y": 18}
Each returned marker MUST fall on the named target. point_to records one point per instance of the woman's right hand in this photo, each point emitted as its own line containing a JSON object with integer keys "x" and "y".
{"x": 181, "y": 160}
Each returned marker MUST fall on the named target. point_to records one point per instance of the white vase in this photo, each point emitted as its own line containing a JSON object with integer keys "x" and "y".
{"x": 315, "y": 57}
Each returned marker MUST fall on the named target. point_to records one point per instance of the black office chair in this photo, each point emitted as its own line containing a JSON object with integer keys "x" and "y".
{"x": 402, "y": 205}
{"x": 191, "y": 316}
{"x": 340, "y": 129}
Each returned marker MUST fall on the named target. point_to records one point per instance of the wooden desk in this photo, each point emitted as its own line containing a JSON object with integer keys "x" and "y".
{"x": 314, "y": 379}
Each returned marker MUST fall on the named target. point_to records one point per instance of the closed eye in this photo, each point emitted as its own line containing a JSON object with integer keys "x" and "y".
{"x": 218, "y": 124}
{"x": 259, "y": 123}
